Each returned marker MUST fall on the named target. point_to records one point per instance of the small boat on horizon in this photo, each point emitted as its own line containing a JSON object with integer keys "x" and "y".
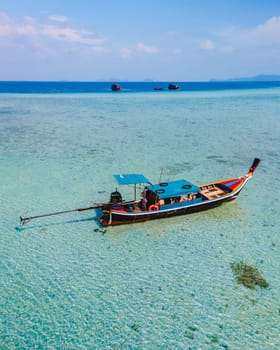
{"x": 164, "y": 199}
{"x": 115, "y": 87}
{"x": 173, "y": 87}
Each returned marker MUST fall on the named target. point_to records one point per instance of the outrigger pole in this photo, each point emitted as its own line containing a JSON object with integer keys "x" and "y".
{"x": 23, "y": 221}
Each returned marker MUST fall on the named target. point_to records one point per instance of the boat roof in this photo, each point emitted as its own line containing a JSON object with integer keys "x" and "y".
{"x": 173, "y": 189}
{"x": 131, "y": 179}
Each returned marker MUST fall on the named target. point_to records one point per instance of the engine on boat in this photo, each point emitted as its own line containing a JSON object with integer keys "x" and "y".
{"x": 116, "y": 197}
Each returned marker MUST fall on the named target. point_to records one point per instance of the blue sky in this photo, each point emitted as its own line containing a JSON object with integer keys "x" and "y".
{"x": 164, "y": 40}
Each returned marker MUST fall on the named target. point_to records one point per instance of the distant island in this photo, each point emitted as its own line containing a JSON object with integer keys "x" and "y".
{"x": 260, "y": 77}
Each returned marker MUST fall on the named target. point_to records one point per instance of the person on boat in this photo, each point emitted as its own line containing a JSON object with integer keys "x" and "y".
{"x": 144, "y": 202}
{"x": 184, "y": 198}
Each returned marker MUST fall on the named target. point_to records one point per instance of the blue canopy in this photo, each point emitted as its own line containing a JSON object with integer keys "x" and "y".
{"x": 131, "y": 179}
{"x": 173, "y": 189}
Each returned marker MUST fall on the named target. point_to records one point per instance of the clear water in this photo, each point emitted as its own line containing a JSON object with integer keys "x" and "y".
{"x": 163, "y": 284}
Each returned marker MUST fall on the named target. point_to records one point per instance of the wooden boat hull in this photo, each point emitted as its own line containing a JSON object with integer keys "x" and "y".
{"x": 209, "y": 200}
{"x": 118, "y": 219}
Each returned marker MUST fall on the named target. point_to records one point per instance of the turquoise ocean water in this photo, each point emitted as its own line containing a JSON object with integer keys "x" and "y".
{"x": 165, "y": 284}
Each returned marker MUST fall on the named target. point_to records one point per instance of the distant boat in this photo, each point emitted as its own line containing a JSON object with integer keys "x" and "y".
{"x": 158, "y": 88}
{"x": 173, "y": 87}
{"x": 163, "y": 199}
{"x": 116, "y": 87}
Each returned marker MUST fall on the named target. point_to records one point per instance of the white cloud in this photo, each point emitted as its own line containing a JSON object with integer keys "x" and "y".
{"x": 9, "y": 28}
{"x": 262, "y": 35}
{"x": 207, "y": 44}
{"x": 61, "y": 19}
{"x": 146, "y": 49}
{"x": 29, "y": 19}
{"x": 69, "y": 34}
{"x": 128, "y": 53}
{"x": 256, "y": 39}
{"x": 125, "y": 52}
{"x": 12, "y": 29}
{"x": 265, "y": 33}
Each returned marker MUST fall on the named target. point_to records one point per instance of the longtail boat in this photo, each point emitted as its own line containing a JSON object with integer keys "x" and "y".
{"x": 164, "y": 199}
{"x": 115, "y": 87}
{"x": 173, "y": 87}
{"x": 171, "y": 198}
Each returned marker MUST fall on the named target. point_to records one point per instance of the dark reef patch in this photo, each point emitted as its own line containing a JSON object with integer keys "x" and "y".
{"x": 248, "y": 275}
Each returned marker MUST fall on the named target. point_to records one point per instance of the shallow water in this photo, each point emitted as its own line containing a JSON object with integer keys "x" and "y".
{"x": 164, "y": 284}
